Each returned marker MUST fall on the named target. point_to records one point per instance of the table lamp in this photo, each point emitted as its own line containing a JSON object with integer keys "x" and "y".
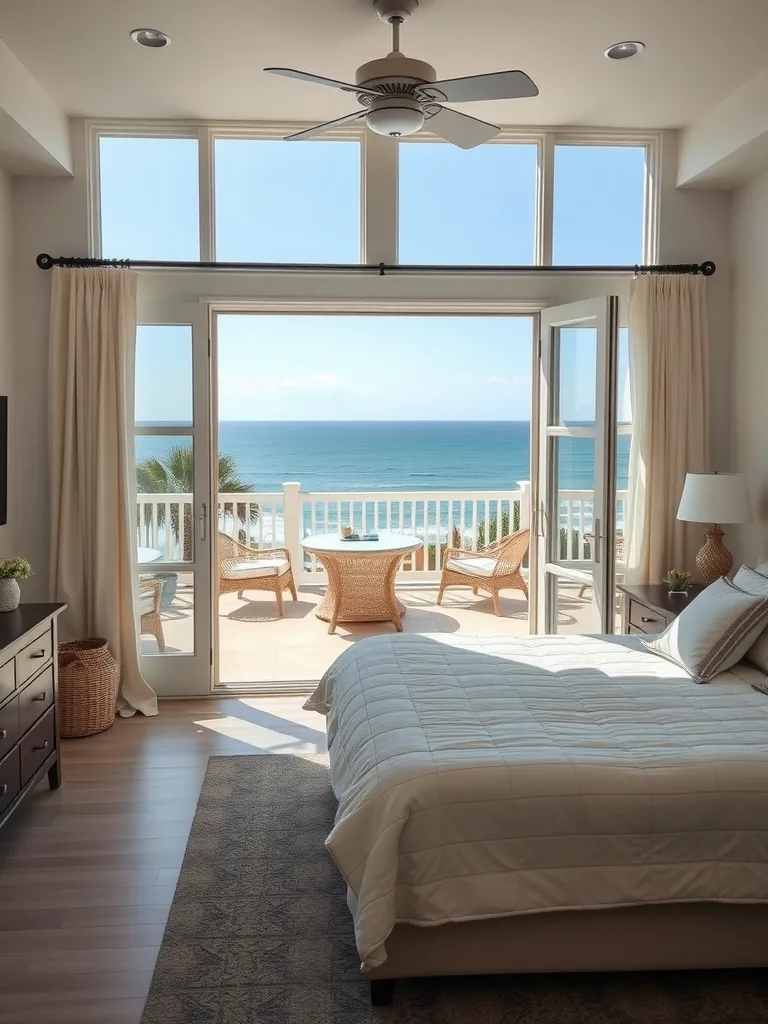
{"x": 714, "y": 498}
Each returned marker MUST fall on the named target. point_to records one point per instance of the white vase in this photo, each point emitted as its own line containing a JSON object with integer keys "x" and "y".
{"x": 10, "y": 595}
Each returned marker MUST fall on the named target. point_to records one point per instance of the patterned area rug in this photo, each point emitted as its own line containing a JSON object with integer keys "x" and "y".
{"x": 259, "y": 933}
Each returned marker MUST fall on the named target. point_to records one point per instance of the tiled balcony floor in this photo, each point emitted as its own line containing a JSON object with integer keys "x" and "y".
{"x": 257, "y": 647}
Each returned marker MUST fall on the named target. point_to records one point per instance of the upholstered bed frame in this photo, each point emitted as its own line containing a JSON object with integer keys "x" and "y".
{"x": 674, "y": 936}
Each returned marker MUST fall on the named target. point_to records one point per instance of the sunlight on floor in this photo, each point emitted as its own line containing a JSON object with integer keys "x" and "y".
{"x": 272, "y": 725}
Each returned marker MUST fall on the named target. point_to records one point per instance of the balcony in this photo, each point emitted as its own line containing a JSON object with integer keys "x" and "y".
{"x": 255, "y": 646}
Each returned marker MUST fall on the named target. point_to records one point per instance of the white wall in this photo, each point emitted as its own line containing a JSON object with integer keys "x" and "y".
{"x": 51, "y": 216}
{"x": 749, "y": 361}
{"x": 6, "y": 332}
{"x": 694, "y": 226}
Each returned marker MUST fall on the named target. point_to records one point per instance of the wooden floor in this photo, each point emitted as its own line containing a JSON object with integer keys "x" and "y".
{"x": 87, "y": 872}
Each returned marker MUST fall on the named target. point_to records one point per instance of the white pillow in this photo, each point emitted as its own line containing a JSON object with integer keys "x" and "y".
{"x": 714, "y": 631}
{"x": 755, "y": 581}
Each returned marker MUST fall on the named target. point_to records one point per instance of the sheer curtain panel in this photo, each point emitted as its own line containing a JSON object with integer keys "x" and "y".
{"x": 669, "y": 384}
{"x": 92, "y": 337}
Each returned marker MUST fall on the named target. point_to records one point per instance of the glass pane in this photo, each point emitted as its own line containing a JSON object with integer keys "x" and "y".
{"x": 287, "y": 202}
{"x": 623, "y": 447}
{"x": 164, "y": 486}
{"x": 167, "y": 612}
{"x": 577, "y": 376}
{"x": 163, "y": 375}
{"x": 467, "y": 206}
{"x": 575, "y": 462}
{"x": 624, "y": 395}
{"x": 575, "y": 610}
{"x": 599, "y": 204}
{"x": 150, "y": 207}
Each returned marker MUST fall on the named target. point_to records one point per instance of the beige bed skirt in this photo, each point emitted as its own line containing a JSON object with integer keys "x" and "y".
{"x": 675, "y": 936}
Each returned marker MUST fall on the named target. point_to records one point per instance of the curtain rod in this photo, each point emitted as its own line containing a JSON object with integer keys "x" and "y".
{"x": 46, "y": 262}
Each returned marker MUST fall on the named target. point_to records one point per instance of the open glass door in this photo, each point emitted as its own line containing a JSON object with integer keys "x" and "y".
{"x": 172, "y": 451}
{"x": 576, "y": 501}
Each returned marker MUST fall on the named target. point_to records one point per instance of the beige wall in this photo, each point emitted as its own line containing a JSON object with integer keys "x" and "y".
{"x": 749, "y": 360}
{"x": 52, "y": 216}
{"x": 7, "y": 334}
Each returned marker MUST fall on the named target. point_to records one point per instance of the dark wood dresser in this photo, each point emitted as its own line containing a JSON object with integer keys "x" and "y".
{"x": 650, "y": 608}
{"x": 29, "y": 716}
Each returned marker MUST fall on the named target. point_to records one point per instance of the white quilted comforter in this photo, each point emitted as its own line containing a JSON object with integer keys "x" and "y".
{"x": 488, "y": 776}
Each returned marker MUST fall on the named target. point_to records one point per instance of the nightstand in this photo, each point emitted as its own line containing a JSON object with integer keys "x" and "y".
{"x": 650, "y": 608}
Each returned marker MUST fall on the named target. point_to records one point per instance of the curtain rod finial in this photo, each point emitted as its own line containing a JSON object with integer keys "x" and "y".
{"x": 44, "y": 261}
{"x": 708, "y": 268}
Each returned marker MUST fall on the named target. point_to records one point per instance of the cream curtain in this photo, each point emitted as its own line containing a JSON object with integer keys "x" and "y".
{"x": 669, "y": 385}
{"x": 93, "y": 330}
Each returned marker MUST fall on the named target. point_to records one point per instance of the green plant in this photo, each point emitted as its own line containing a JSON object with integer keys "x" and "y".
{"x": 677, "y": 578}
{"x": 493, "y": 527}
{"x": 175, "y": 474}
{"x": 15, "y": 568}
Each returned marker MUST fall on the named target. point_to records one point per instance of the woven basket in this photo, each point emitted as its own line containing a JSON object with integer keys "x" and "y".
{"x": 88, "y": 676}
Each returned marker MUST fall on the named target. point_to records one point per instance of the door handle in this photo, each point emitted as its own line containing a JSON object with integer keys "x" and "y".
{"x": 598, "y": 541}
{"x": 202, "y": 521}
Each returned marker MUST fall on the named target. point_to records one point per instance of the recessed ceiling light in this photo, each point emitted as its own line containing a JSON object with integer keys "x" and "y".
{"x": 150, "y": 37}
{"x": 622, "y": 51}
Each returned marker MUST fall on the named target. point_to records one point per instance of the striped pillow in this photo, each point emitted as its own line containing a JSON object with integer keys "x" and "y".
{"x": 755, "y": 581}
{"x": 714, "y": 631}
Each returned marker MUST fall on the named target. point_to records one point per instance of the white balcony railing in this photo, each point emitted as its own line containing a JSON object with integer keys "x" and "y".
{"x": 165, "y": 522}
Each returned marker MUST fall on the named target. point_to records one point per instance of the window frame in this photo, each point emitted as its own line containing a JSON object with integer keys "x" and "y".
{"x": 379, "y": 175}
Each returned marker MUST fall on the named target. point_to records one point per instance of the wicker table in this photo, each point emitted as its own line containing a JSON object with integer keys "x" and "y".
{"x": 361, "y": 577}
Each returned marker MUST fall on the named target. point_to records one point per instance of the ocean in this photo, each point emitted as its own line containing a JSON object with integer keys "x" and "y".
{"x": 393, "y": 455}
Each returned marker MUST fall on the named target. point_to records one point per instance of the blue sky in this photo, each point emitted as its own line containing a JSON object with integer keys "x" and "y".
{"x": 300, "y": 202}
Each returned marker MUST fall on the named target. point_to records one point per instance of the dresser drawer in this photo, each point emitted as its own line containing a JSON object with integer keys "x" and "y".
{"x": 35, "y": 699}
{"x": 30, "y": 658}
{"x": 10, "y": 779}
{"x": 646, "y": 620}
{"x": 37, "y": 745}
{"x": 7, "y": 678}
{"x": 9, "y": 726}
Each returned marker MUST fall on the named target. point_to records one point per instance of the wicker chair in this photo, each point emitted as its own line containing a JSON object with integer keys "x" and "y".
{"x": 243, "y": 568}
{"x": 494, "y": 568}
{"x": 150, "y": 594}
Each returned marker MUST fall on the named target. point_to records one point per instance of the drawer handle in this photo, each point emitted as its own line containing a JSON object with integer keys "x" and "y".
{"x": 39, "y": 696}
{"x": 3, "y": 733}
{"x": 38, "y": 654}
{"x": 4, "y": 789}
{"x": 42, "y": 746}
{"x": 647, "y": 618}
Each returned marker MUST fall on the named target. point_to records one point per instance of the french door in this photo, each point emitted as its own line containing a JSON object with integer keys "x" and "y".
{"x": 575, "y": 515}
{"x": 173, "y": 484}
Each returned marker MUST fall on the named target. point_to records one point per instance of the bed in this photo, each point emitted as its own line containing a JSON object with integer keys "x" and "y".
{"x": 548, "y": 803}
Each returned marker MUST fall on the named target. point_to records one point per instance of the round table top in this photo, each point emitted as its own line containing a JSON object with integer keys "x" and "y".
{"x": 144, "y": 555}
{"x": 332, "y": 542}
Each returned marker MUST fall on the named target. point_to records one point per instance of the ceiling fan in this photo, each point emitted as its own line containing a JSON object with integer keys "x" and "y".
{"x": 398, "y": 95}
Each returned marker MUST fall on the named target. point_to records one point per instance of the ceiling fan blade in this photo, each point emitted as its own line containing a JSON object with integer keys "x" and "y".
{"x": 462, "y": 130}
{"x": 501, "y": 85}
{"x": 304, "y": 76}
{"x": 308, "y": 133}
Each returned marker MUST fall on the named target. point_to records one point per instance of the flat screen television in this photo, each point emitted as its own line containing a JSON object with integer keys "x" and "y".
{"x": 3, "y": 460}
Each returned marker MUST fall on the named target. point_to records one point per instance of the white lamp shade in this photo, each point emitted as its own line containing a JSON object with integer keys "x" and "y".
{"x": 715, "y": 498}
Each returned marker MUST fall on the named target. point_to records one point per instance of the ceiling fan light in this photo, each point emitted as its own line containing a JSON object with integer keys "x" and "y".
{"x": 395, "y": 117}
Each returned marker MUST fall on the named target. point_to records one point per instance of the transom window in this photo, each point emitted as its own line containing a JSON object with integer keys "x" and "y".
{"x": 525, "y": 199}
{"x": 462, "y": 206}
{"x": 287, "y": 202}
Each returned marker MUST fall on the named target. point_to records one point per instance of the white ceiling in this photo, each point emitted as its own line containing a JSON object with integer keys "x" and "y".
{"x": 698, "y": 51}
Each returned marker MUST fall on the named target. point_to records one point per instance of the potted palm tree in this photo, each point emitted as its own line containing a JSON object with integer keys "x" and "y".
{"x": 174, "y": 473}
